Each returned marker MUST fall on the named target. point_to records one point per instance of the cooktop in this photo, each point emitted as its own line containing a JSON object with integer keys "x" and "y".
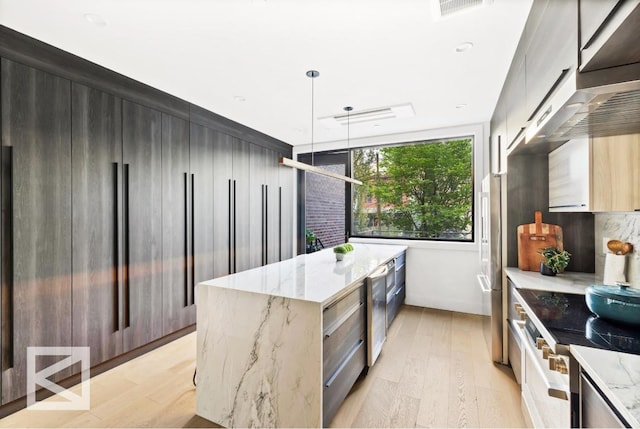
{"x": 567, "y": 317}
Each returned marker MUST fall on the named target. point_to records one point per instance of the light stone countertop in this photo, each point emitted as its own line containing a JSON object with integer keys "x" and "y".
{"x": 568, "y": 282}
{"x": 617, "y": 375}
{"x": 316, "y": 277}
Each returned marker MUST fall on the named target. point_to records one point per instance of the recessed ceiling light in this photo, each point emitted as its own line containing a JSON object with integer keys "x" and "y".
{"x": 95, "y": 19}
{"x": 461, "y": 106}
{"x": 464, "y": 47}
{"x": 239, "y": 98}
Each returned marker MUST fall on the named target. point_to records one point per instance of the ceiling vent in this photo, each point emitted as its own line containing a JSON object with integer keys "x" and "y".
{"x": 446, "y": 8}
{"x": 371, "y": 115}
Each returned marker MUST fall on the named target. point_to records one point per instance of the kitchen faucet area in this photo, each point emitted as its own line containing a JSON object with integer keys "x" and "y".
{"x": 266, "y": 213}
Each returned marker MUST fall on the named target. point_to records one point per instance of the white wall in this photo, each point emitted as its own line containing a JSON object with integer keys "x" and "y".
{"x": 439, "y": 274}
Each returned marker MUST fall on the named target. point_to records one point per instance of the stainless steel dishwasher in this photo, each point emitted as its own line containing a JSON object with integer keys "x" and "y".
{"x": 376, "y": 313}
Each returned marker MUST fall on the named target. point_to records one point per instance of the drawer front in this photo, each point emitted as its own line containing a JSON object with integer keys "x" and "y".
{"x": 337, "y": 312}
{"x": 339, "y": 385}
{"x": 595, "y": 412}
{"x": 340, "y": 342}
{"x": 400, "y": 260}
{"x": 515, "y": 352}
{"x": 400, "y": 276}
{"x": 394, "y": 305}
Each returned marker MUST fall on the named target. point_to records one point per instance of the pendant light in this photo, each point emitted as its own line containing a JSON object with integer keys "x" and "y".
{"x": 312, "y": 74}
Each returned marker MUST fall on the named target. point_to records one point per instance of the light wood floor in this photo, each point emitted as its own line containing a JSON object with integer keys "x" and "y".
{"x": 434, "y": 371}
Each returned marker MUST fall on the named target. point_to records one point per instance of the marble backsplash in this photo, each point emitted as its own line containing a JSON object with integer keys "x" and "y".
{"x": 624, "y": 227}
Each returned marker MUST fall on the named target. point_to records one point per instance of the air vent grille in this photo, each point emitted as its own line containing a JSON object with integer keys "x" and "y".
{"x": 449, "y": 7}
{"x": 619, "y": 115}
{"x": 370, "y": 115}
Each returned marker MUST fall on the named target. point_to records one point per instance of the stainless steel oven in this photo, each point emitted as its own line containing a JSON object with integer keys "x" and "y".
{"x": 544, "y": 374}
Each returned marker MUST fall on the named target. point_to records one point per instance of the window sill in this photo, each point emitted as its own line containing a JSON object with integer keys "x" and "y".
{"x": 421, "y": 244}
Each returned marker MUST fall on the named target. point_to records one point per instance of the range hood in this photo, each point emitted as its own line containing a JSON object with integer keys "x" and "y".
{"x": 592, "y": 101}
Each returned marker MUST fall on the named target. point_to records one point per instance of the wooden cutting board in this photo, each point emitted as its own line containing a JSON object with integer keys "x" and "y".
{"x": 534, "y": 236}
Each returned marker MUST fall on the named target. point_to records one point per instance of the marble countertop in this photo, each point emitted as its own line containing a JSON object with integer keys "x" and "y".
{"x": 568, "y": 282}
{"x": 617, "y": 375}
{"x": 316, "y": 277}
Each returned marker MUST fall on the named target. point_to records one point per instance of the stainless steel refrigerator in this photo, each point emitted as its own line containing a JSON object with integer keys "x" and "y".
{"x": 490, "y": 275}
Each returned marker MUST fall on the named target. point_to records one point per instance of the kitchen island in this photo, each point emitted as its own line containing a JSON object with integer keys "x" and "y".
{"x": 260, "y": 337}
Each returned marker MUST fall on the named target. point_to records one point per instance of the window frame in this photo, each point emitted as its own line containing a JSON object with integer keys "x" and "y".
{"x": 472, "y": 239}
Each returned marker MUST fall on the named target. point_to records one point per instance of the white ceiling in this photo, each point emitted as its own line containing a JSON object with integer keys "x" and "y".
{"x": 246, "y": 59}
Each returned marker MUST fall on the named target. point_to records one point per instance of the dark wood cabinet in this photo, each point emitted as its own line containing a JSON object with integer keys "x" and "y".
{"x": 142, "y": 223}
{"x": 97, "y": 217}
{"x": 177, "y": 285}
{"x": 108, "y": 218}
{"x": 241, "y": 206}
{"x": 36, "y": 219}
{"x": 222, "y": 209}
{"x": 257, "y": 206}
{"x": 285, "y": 245}
{"x": 201, "y": 154}
{"x": 273, "y": 207}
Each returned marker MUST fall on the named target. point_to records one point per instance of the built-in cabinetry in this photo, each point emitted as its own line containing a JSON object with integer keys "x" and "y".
{"x": 344, "y": 326}
{"x": 595, "y": 410}
{"x": 599, "y": 174}
{"x": 398, "y": 291}
{"x": 605, "y": 26}
{"x": 117, "y": 200}
{"x": 36, "y": 219}
{"x": 547, "y": 52}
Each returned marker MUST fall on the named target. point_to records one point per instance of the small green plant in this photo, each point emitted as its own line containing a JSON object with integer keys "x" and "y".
{"x": 343, "y": 248}
{"x": 340, "y": 249}
{"x": 309, "y": 235}
{"x": 555, "y": 259}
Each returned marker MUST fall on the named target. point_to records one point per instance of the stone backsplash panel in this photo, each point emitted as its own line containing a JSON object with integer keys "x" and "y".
{"x": 624, "y": 227}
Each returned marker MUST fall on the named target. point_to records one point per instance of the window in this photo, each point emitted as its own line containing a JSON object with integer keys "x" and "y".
{"x": 419, "y": 190}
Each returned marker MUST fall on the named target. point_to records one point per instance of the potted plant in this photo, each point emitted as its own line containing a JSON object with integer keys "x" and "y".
{"x": 555, "y": 260}
{"x": 341, "y": 250}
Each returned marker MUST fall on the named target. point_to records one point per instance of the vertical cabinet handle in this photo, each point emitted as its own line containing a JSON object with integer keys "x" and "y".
{"x": 116, "y": 252}
{"x": 7, "y": 260}
{"x": 266, "y": 224}
{"x": 229, "y": 229}
{"x": 234, "y": 226}
{"x": 193, "y": 242}
{"x": 186, "y": 240}
{"x": 262, "y": 226}
{"x": 280, "y": 223}
{"x": 127, "y": 259}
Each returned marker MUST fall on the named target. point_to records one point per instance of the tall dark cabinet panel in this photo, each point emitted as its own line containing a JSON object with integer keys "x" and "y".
{"x": 286, "y": 178}
{"x": 36, "y": 219}
{"x": 201, "y": 154}
{"x": 257, "y": 206}
{"x": 142, "y": 223}
{"x": 272, "y": 182}
{"x": 223, "y": 194}
{"x": 242, "y": 217}
{"x": 97, "y": 215}
{"x": 178, "y": 294}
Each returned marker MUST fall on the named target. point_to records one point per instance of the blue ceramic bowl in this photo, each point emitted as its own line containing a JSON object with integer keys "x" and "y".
{"x": 616, "y": 303}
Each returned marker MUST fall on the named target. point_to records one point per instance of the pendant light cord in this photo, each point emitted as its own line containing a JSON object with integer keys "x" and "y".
{"x": 312, "y": 113}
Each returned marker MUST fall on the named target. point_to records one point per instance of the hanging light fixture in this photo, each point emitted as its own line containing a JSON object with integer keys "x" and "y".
{"x": 312, "y": 168}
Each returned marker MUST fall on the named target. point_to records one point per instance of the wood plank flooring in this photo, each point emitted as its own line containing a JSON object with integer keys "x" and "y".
{"x": 434, "y": 371}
